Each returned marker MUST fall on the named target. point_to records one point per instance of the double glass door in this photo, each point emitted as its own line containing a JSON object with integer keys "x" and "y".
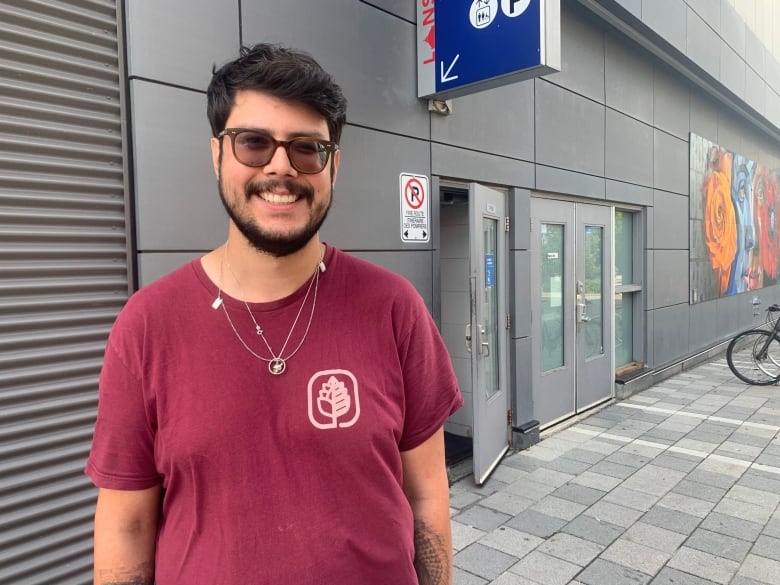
{"x": 571, "y": 255}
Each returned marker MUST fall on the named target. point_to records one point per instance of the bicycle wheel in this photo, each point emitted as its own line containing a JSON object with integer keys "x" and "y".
{"x": 749, "y": 362}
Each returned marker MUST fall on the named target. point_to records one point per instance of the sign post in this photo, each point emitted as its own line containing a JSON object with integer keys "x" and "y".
{"x": 468, "y": 46}
{"x": 415, "y": 208}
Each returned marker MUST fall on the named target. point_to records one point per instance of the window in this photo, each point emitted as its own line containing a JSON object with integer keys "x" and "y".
{"x": 628, "y": 292}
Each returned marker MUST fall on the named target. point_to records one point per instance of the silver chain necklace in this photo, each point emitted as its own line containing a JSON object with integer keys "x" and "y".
{"x": 276, "y": 363}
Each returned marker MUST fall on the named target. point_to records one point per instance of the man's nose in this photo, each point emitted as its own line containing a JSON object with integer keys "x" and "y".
{"x": 280, "y": 163}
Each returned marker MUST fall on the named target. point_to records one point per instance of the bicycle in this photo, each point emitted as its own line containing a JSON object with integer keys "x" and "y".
{"x": 754, "y": 355}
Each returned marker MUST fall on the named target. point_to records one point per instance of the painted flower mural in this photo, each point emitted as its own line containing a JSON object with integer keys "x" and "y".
{"x": 766, "y": 214}
{"x": 720, "y": 226}
{"x": 735, "y": 236}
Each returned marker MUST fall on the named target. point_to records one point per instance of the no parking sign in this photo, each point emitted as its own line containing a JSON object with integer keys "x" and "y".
{"x": 415, "y": 208}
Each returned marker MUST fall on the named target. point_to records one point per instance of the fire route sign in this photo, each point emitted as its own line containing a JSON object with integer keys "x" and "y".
{"x": 415, "y": 208}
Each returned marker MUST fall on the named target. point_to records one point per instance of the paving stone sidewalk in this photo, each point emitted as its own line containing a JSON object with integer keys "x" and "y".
{"x": 677, "y": 485}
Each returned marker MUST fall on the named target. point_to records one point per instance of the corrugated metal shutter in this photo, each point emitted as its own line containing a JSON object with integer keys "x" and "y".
{"x": 63, "y": 273}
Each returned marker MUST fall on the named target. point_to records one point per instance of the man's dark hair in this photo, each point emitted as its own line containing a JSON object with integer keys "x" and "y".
{"x": 283, "y": 73}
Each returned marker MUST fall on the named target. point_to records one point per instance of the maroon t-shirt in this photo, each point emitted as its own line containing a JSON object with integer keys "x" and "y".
{"x": 295, "y": 478}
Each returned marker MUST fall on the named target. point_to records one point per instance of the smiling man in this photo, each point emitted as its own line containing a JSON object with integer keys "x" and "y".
{"x": 272, "y": 412}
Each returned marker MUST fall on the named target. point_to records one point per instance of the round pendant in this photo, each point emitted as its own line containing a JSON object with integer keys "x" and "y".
{"x": 277, "y": 366}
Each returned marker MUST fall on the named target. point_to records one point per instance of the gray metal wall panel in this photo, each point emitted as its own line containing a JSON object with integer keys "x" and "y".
{"x": 732, "y": 27}
{"x": 671, "y": 221}
{"x": 732, "y": 71}
{"x": 522, "y": 371}
{"x": 772, "y": 76}
{"x": 520, "y": 297}
{"x": 649, "y": 342}
{"x": 649, "y": 227}
{"x": 707, "y": 10}
{"x": 633, "y": 6}
{"x": 628, "y": 79}
{"x": 729, "y": 317}
{"x": 671, "y": 103}
{"x": 755, "y": 91}
{"x": 703, "y": 325}
{"x": 703, "y": 45}
{"x": 730, "y": 132}
{"x": 670, "y": 326}
{"x": 372, "y": 54}
{"x": 629, "y": 149}
{"x": 667, "y": 18}
{"x": 153, "y": 265}
{"x": 669, "y": 288}
{"x": 755, "y": 53}
{"x": 366, "y": 212}
{"x": 179, "y": 40}
{"x": 773, "y": 106}
{"x": 177, "y": 201}
{"x": 470, "y": 165}
{"x": 403, "y": 8}
{"x": 704, "y": 115}
{"x": 629, "y": 193}
{"x": 63, "y": 274}
{"x": 670, "y": 163}
{"x": 480, "y": 121}
{"x": 569, "y": 130}
{"x": 582, "y": 58}
{"x": 557, "y": 180}
{"x": 520, "y": 212}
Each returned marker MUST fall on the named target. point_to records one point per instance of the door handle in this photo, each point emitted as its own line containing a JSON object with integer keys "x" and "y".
{"x": 468, "y": 337}
{"x": 582, "y": 307}
{"x": 484, "y": 346}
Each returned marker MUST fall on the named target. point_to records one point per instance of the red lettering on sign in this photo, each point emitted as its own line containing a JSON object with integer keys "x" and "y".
{"x": 428, "y": 16}
{"x": 430, "y": 36}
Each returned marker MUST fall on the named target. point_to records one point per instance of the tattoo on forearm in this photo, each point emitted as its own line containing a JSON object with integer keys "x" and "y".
{"x": 431, "y": 558}
{"x": 142, "y": 574}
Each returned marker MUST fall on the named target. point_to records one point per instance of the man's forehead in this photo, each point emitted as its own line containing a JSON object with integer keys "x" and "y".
{"x": 259, "y": 109}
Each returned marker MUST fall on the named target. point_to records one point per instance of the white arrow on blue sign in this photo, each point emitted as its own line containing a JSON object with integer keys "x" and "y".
{"x": 465, "y": 47}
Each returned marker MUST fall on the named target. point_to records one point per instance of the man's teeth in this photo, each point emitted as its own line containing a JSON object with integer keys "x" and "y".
{"x": 276, "y": 198}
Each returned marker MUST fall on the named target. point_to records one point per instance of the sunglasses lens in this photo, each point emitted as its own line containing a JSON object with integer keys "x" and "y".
{"x": 253, "y": 149}
{"x": 256, "y": 149}
{"x": 308, "y": 156}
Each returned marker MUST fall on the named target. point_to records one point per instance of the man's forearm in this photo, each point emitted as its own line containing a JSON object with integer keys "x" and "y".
{"x": 142, "y": 574}
{"x": 432, "y": 554}
{"x": 125, "y": 537}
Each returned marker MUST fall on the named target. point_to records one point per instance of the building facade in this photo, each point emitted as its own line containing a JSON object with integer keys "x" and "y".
{"x": 575, "y": 252}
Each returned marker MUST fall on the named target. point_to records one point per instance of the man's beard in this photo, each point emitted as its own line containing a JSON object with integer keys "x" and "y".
{"x": 277, "y": 245}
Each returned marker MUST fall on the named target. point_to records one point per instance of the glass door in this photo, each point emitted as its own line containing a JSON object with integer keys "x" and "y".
{"x": 488, "y": 337}
{"x": 553, "y": 332}
{"x": 571, "y": 272}
{"x": 595, "y": 370}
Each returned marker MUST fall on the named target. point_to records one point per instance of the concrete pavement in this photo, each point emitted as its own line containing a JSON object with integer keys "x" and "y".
{"x": 676, "y": 485}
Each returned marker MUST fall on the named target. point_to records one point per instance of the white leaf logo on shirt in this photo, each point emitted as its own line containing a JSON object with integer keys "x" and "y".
{"x": 335, "y": 393}
{"x": 334, "y": 400}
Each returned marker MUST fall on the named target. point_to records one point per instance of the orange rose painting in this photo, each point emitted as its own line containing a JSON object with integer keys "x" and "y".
{"x": 720, "y": 224}
{"x": 735, "y": 222}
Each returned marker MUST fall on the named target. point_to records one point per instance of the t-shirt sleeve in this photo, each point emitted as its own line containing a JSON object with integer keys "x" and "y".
{"x": 431, "y": 387}
{"x": 122, "y": 454}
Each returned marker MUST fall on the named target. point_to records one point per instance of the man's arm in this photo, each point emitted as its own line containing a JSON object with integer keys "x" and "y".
{"x": 125, "y": 534}
{"x": 427, "y": 489}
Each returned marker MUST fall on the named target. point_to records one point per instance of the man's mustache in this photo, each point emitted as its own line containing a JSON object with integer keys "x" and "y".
{"x": 297, "y": 189}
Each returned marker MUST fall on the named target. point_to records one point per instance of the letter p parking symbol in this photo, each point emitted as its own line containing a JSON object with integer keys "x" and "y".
{"x": 514, "y": 8}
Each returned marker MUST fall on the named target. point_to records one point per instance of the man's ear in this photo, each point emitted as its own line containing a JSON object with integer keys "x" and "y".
{"x": 334, "y": 169}
{"x": 215, "y": 144}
